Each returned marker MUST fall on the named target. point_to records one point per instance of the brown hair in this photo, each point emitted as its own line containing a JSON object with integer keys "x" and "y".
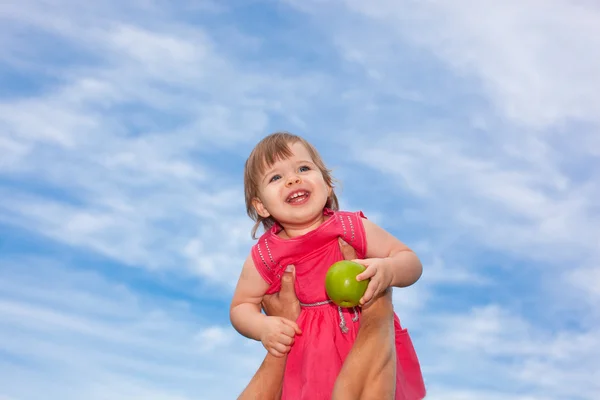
{"x": 268, "y": 151}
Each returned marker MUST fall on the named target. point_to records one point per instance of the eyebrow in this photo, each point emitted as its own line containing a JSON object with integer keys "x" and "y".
{"x": 268, "y": 173}
{"x": 305, "y": 162}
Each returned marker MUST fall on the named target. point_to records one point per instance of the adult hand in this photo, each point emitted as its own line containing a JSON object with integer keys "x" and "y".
{"x": 283, "y": 303}
{"x": 266, "y": 384}
{"x": 347, "y": 251}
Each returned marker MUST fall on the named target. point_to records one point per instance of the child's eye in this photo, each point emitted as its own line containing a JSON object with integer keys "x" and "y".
{"x": 304, "y": 168}
{"x": 274, "y": 178}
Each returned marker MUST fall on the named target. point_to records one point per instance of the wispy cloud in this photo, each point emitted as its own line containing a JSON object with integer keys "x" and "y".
{"x": 82, "y": 335}
{"x": 470, "y": 131}
{"x": 492, "y": 341}
{"x": 122, "y": 153}
{"x": 490, "y": 155}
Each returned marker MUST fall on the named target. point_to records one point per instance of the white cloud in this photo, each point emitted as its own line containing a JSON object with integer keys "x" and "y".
{"x": 214, "y": 338}
{"x": 495, "y": 123}
{"x": 532, "y": 58}
{"x": 505, "y": 207}
{"x": 450, "y": 393}
{"x": 476, "y": 122}
{"x": 495, "y": 144}
{"x": 128, "y": 146}
{"x": 586, "y": 280}
{"x": 499, "y": 348}
{"x": 76, "y": 332}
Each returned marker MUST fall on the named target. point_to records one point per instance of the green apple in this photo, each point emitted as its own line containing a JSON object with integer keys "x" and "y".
{"x": 341, "y": 284}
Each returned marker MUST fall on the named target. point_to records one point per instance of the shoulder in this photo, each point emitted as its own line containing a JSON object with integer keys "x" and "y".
{"x": 344, "y": 214}
{"x": 262, "y": 245}
{"x": 265, "y": 254}
{"x": 351, "y": 227}
{"x": 262, "y": 238}
{"x": 265, "y": 242}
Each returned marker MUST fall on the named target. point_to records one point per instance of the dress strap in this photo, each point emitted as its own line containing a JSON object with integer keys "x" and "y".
{"x": 352, "y": 230}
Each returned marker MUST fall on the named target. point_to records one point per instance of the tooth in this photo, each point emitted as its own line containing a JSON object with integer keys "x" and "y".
{"x": 297, "y": 194}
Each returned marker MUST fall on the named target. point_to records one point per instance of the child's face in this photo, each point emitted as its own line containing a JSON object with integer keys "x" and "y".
{"x": 292, "y": 191}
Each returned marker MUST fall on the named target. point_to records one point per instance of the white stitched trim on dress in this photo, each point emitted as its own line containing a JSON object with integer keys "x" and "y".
{"x": 269, "y": 251}
{"x": 351, "y": 228}
{"x": 343, "y": 225}
{"x": 262, "y": 257}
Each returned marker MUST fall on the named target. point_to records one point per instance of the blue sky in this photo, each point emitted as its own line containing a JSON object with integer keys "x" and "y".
{"x": 469, "y": 130}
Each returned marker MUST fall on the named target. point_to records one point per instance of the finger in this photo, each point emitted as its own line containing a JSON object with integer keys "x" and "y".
{"x": 367, "y": 274}
{"x": 287, "y": 284}
{"x": 286, "y": 340}
{"x": 281, "y": 348}
{"x": 368, "y": 293}
{"x": 291, "y": 326}
{"x": 365, "y": 299}
{"x": 289, "y": 331}
{"x": 276, "y": 353}
{"x": 361, "y": 261}
{"x": 287, "y": 280}
{"x": 348, "y": 251}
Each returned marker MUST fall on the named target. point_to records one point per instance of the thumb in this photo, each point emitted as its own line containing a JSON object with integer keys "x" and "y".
{"x": 348, "y": 251}
{"x": 288, "y": 290}
{"x": 287, "y": 280}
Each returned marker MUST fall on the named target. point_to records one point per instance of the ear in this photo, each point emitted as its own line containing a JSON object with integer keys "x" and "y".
{"x": 260, "y": 208}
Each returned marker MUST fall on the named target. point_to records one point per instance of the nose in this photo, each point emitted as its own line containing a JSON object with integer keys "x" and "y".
{"x": 293, "y": 180}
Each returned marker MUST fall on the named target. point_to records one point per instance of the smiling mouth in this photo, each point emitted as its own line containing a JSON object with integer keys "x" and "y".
{"x": 298, "y": 197}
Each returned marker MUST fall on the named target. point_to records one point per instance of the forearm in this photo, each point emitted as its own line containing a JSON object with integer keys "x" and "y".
{"x": 267, "y": 382}
{"x": 369, "y": 371}
{"x": 247, "y": 319}
{"x": 406, "y": 268}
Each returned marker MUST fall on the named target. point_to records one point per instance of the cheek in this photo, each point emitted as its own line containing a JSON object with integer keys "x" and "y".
{"x": 328, "y": 189}
{"x": 271, "y": 192}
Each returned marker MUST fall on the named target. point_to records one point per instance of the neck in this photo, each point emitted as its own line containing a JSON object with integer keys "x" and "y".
{"x": 292, "y": 230}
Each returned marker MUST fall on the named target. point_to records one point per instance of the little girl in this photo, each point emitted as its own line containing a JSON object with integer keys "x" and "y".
{"x": 290, "y": 192}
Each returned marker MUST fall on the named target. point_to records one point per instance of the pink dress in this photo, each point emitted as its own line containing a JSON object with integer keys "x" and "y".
{"x": 317, "y": 355}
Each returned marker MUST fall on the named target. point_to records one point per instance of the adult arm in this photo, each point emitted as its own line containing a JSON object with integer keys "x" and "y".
{"x": 268, "y": 381}
{"x": 370, "y": 364}
{"x": 369, "y": 371}
{"x": 275, "y": 332}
